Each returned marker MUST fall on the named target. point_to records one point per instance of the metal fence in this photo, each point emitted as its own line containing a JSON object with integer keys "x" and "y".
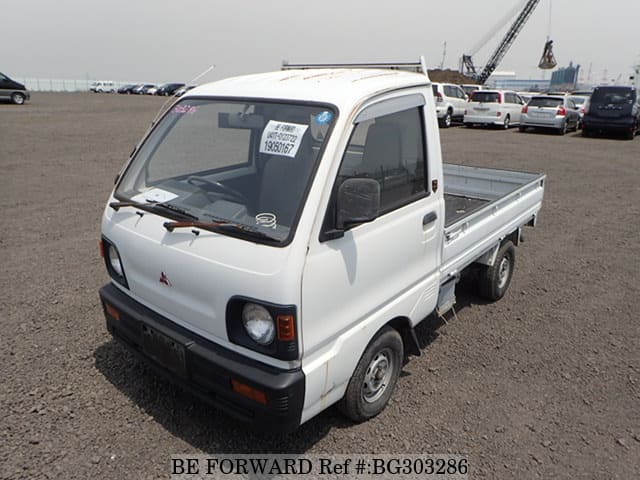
{"x": 60, "y": 84}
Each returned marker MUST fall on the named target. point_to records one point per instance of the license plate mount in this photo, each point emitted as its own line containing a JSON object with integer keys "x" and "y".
{"x": 165, "y": 350}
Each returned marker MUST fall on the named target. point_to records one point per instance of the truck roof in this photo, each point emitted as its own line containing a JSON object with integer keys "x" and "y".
{"x": 343, "y": 87}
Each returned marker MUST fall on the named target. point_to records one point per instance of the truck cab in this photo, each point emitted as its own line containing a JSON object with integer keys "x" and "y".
{"x": 275, "y": 238}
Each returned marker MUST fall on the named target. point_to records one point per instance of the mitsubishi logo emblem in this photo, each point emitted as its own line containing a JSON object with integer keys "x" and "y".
{"x": 164, "y": 279}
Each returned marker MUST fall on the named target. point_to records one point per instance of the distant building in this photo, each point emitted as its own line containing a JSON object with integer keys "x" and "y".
{"x": 565, "y": 78}
{"x": 508, "y": 81}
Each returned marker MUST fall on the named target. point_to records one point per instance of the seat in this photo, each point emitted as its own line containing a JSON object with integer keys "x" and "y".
{"x": 284, "y": 180}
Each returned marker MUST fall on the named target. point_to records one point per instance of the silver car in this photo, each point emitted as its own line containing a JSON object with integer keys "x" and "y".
{"x": 555, "y": 112}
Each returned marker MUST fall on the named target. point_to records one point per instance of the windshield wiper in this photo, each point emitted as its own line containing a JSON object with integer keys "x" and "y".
{"x": 249, "y": 231}
{"x": 167, "y": 206}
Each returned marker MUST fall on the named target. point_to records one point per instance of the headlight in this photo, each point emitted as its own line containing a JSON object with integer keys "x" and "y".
{"x": 258, "y": 323}
{"x": 114, "y": 261}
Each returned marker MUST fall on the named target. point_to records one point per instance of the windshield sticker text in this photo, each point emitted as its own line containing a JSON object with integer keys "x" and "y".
{"x": 185, "y": 109}
{"x": 281, "y": 138}
{"x": 154, "y": 195}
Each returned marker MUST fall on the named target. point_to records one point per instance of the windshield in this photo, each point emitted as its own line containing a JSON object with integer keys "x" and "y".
{"x": 485, "y": 97}
{"x": 246, "y": 163}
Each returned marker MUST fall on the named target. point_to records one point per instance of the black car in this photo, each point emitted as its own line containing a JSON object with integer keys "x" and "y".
{"x": 12, "y": 90}
{"x": 612, "y": 109}
{"x": 126, "y": 89}
{"x": 168, "y": 88}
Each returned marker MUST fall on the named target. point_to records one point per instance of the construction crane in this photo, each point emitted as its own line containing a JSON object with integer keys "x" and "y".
{"x": 469, "y": 68}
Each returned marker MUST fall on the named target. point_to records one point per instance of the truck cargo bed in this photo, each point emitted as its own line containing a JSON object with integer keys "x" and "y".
{"x": 483, "y": 206}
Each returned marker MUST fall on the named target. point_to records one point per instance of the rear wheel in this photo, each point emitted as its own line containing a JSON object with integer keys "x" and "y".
{"x": 494, "y": 280}
{"x": 507, "y": 122}
{"x": 18, "y": 98}
{"x": 586, "y": 132}
{"x": 446, "y": 120}
{"x": 521, "y": 128}
{"x": 374, "y": 378}
{"x": 563, "y": 129}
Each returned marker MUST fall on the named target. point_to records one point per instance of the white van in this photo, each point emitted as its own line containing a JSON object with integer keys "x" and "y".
{"x": 102, "y": 87}
{"x": 494, "y": 107}
{"x": 275, "y": 238}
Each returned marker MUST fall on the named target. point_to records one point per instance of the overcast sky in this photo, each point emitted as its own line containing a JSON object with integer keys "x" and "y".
{"x": 165, "y": 40}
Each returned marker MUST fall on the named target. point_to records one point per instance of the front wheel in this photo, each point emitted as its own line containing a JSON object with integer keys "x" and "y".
{"x": 18, "y": 98}
{"x": 495, "y": 279}
{"x": 374, "y": 378}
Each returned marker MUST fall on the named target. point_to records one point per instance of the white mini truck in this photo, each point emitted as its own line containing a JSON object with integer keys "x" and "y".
{"x": 274, "y": 239}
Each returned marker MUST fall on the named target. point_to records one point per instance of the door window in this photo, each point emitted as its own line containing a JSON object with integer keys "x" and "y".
{"x": 391, "y": 150}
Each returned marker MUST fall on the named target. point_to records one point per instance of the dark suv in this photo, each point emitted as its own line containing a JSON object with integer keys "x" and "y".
{"x": 612, "y": 109}
{"x": 12, "y": 90}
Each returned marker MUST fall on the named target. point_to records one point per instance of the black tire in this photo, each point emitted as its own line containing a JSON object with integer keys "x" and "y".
{"x": 18, "y": 98}
{"x": 563, "y": 129}
{"x": 494, "y": 281}
{"x": 522, "y": 129}
{"x": 368, "y": 392}
{"x": 507, "y": 122}
{"x": 446, "y": 120}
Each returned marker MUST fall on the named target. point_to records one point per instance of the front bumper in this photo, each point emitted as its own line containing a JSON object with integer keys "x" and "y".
{"x": 207, "y": 368}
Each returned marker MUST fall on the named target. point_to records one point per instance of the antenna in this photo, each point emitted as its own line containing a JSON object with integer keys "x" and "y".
{"x": 163, "y": 108}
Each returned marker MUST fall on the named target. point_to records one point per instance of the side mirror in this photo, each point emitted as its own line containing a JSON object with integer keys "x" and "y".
{"x": 358, "y": 202}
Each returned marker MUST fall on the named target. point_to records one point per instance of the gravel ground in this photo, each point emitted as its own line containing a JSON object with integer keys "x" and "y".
{"x": 542, "y": 384}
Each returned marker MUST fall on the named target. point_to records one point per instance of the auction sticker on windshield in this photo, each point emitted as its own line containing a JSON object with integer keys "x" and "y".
{"x": 154, "y": 195}
{"x": 281, "y": 138}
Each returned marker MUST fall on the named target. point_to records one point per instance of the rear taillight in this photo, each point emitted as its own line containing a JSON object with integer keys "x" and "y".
{"x": 439, "y": 97}
{"x": 562, "y": 111}
{"x": 525, "y": 109}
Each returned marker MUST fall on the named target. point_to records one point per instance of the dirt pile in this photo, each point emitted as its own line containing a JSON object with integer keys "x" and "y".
{"x": 450, "y": 76}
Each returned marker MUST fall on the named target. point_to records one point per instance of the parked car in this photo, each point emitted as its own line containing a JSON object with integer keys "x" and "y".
{"x": 612, "y": 109}
{"x": 13, "y": 91}
{"x": 450, "y": 103}
{"x": 151, "y": 90}
{"x": 126, "y": 89}
{"x": 168, "y": 89}
{"x": 142, "y": 88}
{"x": 102, "y": 87}
{"x": 182, "y": 90}
{"x": 494, "y": 107}
{"x": 558, "y": 113}
{"x": 470, "y": 88}
{"x": 582, "y": 103}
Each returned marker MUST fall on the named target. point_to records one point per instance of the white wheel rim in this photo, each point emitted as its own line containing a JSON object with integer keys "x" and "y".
{"x": 504, "y": 270}
{"x": 377, "y": 376}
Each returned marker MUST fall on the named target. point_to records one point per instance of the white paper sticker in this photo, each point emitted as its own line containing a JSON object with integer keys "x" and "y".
{"x": 281, "y": 138}
{"x": 154, "y": 195}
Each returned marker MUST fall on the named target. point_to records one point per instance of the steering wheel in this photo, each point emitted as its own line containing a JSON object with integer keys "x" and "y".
{"x": 225, "y": 191}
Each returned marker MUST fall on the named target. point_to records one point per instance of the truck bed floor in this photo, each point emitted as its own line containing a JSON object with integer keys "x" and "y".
{"x": 459, "y": 206}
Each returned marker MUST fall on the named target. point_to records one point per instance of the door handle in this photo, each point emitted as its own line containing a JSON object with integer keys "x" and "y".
{"x": 429, "y": 218}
